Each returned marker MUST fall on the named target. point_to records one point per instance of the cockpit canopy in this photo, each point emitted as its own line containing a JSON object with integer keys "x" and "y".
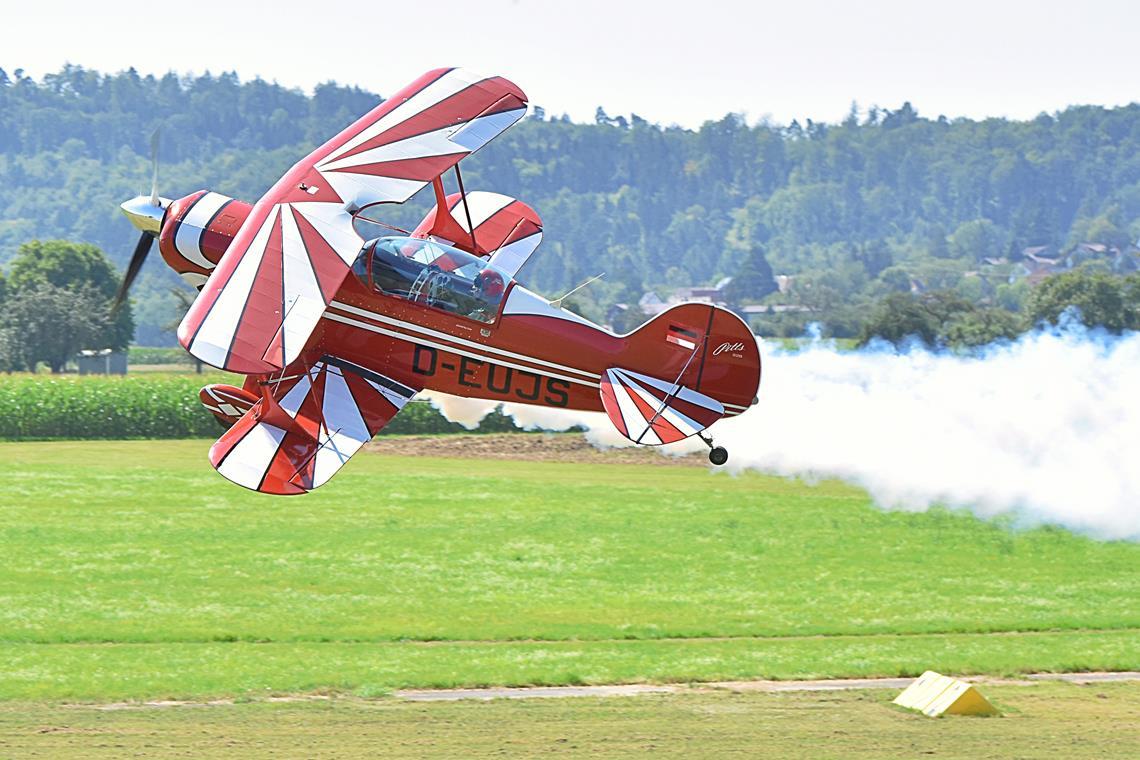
{"x": 434, "y": 274}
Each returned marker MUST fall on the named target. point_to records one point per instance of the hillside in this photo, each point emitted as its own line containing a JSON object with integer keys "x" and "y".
{"x": 851, "y": 210}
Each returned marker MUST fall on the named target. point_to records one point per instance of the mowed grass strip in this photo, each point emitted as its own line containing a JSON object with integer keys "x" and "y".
{"x": 140, "y": 542}
{"x": 102, "y": 672}
{"x": 1041, "y": 721}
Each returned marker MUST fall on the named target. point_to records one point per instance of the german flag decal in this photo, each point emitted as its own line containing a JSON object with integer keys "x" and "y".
{"x": 685, "y": 337}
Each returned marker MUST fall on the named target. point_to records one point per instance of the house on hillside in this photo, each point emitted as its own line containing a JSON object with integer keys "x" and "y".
{"x": 651, "y": 303}
{"x": 1041, "y": 254}
{"x": 1085, "y": 252}
{"x": 1120, "y": 262}
{"x": 776, "y": 308}
{"x": 1037, "y": 263}
{"x": 706, "y": 293}
{"x": 1042, "y": 261}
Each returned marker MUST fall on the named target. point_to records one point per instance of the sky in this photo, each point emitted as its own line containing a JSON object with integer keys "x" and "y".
{"x": 669, "y": 62}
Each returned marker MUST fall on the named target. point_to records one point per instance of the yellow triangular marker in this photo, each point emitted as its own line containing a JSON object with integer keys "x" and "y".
{"x": 934, "y": 694}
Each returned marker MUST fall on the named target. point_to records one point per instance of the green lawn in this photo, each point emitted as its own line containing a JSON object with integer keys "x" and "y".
{"x": 1044, "y": 721}
{"x": 132, "y": 570}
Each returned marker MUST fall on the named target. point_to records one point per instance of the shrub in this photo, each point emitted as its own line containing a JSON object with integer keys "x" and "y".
{"x": 158, "y": 355}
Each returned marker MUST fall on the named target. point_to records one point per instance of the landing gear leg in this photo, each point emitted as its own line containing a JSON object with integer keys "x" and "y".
{"x": 718, "y": 455}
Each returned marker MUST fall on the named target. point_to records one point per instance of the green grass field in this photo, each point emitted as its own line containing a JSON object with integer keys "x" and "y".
{"x": 131, "y": 570}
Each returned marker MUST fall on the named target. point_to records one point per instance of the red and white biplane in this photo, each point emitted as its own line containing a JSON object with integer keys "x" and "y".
{"x": 337, "y": 320}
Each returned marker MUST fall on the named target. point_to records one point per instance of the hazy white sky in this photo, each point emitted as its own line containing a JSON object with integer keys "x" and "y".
{"x": 668, "y": 61}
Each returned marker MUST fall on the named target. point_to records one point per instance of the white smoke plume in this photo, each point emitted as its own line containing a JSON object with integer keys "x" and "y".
{"x": 1045, "y": 429}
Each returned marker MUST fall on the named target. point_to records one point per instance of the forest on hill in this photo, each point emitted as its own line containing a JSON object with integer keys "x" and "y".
{"x": 886, "y": 201}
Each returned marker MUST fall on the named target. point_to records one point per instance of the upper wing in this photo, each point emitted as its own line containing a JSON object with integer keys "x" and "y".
{"x": 298, "y": 436}
{"x": 287, "y": 261}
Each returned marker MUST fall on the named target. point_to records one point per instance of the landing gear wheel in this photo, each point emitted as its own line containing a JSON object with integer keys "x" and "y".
{"x": 718, "y": 455}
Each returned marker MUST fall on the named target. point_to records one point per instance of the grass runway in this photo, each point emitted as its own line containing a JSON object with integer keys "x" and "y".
{"x": 132, "y": 571}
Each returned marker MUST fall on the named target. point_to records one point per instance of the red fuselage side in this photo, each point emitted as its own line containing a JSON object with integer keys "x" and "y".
{"x": 534, "y": 353}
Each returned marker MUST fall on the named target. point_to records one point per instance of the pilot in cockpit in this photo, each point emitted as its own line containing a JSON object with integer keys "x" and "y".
{"x": 439, "y": 276}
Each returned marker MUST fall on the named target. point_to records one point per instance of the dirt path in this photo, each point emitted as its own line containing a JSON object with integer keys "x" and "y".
{"x": 638, "y": 689}
{"x": 535, "y": 447}
{"x": 630, "y": 690}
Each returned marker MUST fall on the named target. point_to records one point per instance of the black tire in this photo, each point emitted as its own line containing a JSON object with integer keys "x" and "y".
{"x": 718, "y": 455}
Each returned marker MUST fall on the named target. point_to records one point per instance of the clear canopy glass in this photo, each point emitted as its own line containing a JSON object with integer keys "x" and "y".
{"x": 368, "y": 222}
{"x": 433, "y": 274}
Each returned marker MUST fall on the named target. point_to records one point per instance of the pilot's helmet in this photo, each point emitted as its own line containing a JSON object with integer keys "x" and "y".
{"x": 491, "y": 283}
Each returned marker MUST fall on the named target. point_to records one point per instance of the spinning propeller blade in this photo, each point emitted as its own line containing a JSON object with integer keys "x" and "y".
{"x": 145, "y": 213}
{"x": 154, "y": 163}
{"x": 142, "y": 248}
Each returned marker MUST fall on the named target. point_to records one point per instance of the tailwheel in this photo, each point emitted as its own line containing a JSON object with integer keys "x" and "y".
{"x": 718, "y": 455}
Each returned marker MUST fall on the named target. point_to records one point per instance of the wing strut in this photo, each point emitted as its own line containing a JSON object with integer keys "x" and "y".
{"x": 466, "y": 209}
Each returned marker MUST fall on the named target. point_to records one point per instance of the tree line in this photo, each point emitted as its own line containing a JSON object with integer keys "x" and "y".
{"x": 883, "y": 202}
{"x": 944, "y": 319}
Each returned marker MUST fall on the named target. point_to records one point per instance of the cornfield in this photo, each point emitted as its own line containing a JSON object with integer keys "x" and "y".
{"x": 39, "y": 407}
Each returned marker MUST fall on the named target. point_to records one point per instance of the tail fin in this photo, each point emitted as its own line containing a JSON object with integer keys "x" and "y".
{"x": 680, "y": 372}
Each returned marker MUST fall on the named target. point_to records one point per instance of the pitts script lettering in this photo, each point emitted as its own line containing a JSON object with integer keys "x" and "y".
{"x": 728, "y": 348}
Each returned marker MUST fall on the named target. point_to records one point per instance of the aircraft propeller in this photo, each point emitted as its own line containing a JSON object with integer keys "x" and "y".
{"x": 146, "y": 214}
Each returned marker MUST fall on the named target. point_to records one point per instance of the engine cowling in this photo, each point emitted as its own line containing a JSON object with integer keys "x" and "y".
{"x": 197, "y": 230}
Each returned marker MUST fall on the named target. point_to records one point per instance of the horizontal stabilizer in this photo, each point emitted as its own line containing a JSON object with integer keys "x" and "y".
{"x": 226, "y": 402}
{"x": 652, "y": 411}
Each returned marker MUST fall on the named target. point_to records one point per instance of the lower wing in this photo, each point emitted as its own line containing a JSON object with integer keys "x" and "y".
{"x": 307, "y": 425}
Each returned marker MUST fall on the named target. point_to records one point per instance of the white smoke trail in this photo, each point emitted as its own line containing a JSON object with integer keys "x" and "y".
{"x": 1046, "y": 429}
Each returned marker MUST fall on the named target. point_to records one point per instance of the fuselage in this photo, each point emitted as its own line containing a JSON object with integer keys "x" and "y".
{"x": 530, "y": 352}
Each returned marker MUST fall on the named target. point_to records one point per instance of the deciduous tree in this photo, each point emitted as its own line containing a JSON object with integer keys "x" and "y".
{"x": 49, "y": 324}
{"x": 754, "y": 280}
{"x": 76, "y": 267}
{"x": 1097, "y": 298}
